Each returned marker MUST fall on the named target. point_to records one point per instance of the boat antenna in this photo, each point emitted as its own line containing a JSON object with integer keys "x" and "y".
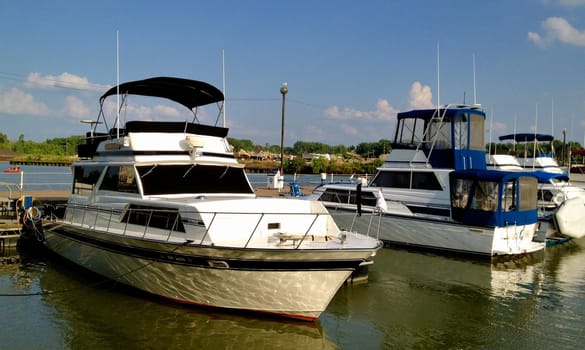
{"x": 514, "y": 143}
{"x": 224, "y": 92}
{"x": 535, "y": 131}
{"x": 117, "y": 84}
{"x": 438, "y": 79}
{"x": 491, "y": 128}
{"x": 474, "y": 91}
{"x": 552, "y": 116}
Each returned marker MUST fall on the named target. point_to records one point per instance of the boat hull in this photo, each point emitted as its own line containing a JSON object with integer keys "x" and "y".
{"x": 293, "y": 283}
{"x": 441, "y": 235}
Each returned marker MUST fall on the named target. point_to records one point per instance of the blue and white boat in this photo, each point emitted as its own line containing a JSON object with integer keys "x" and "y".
{"x": 434, "y": 190}
{"x": 561, "y": 204}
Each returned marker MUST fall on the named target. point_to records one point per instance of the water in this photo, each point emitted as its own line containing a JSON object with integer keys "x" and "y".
{"x": 412, "y": 300}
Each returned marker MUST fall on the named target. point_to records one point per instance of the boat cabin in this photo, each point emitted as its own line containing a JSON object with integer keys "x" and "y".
{"x": 493, "y": 198}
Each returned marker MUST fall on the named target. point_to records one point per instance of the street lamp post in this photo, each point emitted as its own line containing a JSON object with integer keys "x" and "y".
{"x": 283, "y": 91}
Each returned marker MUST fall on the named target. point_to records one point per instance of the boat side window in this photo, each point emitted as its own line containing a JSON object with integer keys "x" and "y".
{"x": 509, "y": 196}
{"x": 440, "y": 134}
{"x": 460, "y": 193}
{"x": 460, "y": 131}
{"x": 477, "y": 132}
{"x": 528, "y": 186}
{"x": 85, "y": 178}
{"x": 368, "y": 198}
{"x": 120, "y": 178}
{"x": 335, "y": 196}
{"x": 396, "y": 179}
{"x": 423, "y": 180}
{"x": 545, "y": 195}
{"x": 164, "y": 218}
{"x": 486, "y": 196}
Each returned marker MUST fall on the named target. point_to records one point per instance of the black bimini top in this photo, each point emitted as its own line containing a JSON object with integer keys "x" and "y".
{"x": 189, "y": 93}
{"x": 527, "y": 137}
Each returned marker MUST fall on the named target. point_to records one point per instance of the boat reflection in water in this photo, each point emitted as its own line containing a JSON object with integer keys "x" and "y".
{"x": 423, "y": 300}
{"x": 412, "y": 300}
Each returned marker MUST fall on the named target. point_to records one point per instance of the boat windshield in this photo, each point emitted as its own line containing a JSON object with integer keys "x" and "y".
{"x": 176, "y": 179}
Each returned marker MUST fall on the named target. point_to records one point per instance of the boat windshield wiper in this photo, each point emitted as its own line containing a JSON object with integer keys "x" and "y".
{"x": 149, "y": 171}
{"x": 188, "y": 170}
{"x": 224, "y": 172}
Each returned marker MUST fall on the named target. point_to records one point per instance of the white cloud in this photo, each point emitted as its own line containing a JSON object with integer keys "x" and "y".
{"x": 557, "y": 28}
{"x": 65, "y": 80}
{"x": 349, "y": 130}
{"x": 383, "y": 111}
{"x": 420, "y": 96}
{"x": 75, "y": 107}
{"x": 167, "y": 111}
{"x": 16, "y": 101}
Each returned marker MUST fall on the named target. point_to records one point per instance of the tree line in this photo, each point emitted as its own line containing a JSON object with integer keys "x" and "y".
{"x": 66, "y": 147}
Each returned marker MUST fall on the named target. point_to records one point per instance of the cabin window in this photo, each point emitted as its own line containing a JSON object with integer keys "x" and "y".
{"x": 195, "y": 178}
{"x": 335, "y": 196}
{"x": 85, "y": 178}
{"x": 421, "y": 180}
{"x": 347, "y": 196}
{"x": 120, "y": 178}
{"x": 509, "y": 196}
{"x": 425, "y": 181}
{"x": 477, "y": 132}
{"x": 460, "y": 132}
{"x": 409, "y": 131}
{"x": 486, "y": 196}
{"x": 440, "y": 134}
{"x": 368, "y": 198}
{"x": 460, "y": 193}
{"x": 166, "y": 219}
{"x": 545, "y": 195}
{"x": 528, "y": 186}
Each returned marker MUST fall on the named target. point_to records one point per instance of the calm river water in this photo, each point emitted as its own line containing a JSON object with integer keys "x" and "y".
{"x": 412, "y": 300}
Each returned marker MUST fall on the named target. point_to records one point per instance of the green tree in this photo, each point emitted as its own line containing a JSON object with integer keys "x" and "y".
{"x": 319, "y": 165}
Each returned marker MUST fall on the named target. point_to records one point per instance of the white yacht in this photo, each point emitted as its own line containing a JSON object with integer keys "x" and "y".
{"x": 434, "y": 191}
{"x": 166, "y": 208}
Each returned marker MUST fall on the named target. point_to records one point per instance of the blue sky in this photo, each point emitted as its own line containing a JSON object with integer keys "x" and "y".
{"x": 350, "y": 65}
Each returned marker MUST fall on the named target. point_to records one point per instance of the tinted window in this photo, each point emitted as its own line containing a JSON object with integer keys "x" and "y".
{"x": 168, "y": 219}
{"x": 347, "y": 196}
{"x": 120, "y": 179}
{"x": 401, "y": 179}
{"x": 171, "y": 179}
{"x": 85, "y": 178}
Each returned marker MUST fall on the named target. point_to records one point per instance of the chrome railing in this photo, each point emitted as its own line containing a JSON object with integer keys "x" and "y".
{"x": 203, "y": 228}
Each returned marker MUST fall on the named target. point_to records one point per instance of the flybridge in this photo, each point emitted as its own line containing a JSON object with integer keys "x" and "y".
{"x": 450, "y": 137}
{"x": 188, "y": 93}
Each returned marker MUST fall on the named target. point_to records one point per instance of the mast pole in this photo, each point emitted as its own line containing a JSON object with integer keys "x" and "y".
{"x": 117, "y": 84}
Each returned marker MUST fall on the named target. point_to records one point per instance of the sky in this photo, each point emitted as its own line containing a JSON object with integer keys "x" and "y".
{"x": 350, "y": 66}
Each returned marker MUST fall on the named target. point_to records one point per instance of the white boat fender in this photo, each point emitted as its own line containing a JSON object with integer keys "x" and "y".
{"x": 381, "y": 205}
